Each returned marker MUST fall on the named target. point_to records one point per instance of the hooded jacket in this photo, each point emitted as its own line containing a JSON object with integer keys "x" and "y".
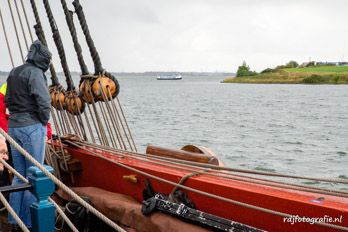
{"x": 27, "y": 96}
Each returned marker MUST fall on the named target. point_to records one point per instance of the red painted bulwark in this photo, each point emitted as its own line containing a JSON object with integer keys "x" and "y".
{"x": 109, "y": 176}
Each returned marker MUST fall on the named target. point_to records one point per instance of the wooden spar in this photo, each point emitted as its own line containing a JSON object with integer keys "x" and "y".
{"x": 183, "y": 155}
{"x": 202, "y": 150}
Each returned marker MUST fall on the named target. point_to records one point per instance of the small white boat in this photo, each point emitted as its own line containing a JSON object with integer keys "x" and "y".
{"x": 169, "y": 77}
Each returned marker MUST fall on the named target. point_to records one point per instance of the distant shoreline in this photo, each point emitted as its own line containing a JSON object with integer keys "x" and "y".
{"x": 153, "y": 73}
{"x": 312, "y": 75}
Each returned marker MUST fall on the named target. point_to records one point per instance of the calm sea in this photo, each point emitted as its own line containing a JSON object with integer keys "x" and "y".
{"x": 292, "y": 129}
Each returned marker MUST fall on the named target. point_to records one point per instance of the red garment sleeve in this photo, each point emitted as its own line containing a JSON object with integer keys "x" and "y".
{"x": 3, "y": 116}
{"x": 49, "y": 131}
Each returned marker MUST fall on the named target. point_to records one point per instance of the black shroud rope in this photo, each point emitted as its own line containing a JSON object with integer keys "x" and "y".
{"x": 94, "y": 53}
{"x": 59, "y": 44}
{"x": 70, "y": 22}
{"x": 41, "y": 36}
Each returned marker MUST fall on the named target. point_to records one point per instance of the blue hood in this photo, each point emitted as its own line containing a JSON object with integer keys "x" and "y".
{"x": 39, "y": 55}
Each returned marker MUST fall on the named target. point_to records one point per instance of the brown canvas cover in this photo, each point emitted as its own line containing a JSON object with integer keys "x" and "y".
{"x": 126, "y": 211}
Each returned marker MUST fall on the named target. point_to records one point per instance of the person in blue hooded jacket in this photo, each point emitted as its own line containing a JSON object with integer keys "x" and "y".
{"x": 29, "y": 103}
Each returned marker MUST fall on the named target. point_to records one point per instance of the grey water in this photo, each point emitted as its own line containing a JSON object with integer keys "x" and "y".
{"x": 291, "y": 129}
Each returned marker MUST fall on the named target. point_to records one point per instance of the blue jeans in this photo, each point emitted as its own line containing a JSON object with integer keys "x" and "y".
{"x": 32, "y": 139}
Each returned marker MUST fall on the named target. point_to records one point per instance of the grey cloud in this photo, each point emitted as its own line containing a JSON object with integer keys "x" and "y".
{"x": 204, "y": 35}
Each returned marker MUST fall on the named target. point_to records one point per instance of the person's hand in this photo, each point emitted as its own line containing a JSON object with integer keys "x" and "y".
{"x": 3, "y": 152}
{"x": 4, "y": 156}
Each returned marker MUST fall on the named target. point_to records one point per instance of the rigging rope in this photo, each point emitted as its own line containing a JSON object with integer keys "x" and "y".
{"x": 125, "y": 121}
{"x": 6, "y": 38}
{"x": 41, "y": 36}
{"x": 56, "y": 90}
{"x": 108, "y": 128}
{"x": 112, "y": 116}
{"x": 115, "y": 119}
{"x": 98, "y": 68}
{"x": 59, "y": 44}
{"x": 13, "y": 213}
{"x": 22, "y": 28}
{"x": 16, "y": 31}
{"x": 94, "y": 53}
{"x": 78, "y": 49}
{"x": 61, "y": 184}
{"x": 214, "y": 167}
{"x": 27, "y": 21}
{"x": 174, "y": 163}
{"x": 66, "y": 121}
{"x": 242, "y": 204}
{"x": 63, "y": 215}
{"x": 24, "y": 180}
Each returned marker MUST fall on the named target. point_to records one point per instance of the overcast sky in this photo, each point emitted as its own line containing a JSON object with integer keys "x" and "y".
{"x": 198, "y": 35}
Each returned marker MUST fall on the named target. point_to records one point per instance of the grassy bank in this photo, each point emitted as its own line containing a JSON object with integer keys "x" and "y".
{"x": 310, "y": 75}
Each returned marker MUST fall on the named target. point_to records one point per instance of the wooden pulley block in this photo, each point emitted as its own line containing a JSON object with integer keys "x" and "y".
{"x": 86, "y": 91}
{"x": 57, "y": 99}
{"x": 106, "y": 85}
{"x": 74, "y": 104}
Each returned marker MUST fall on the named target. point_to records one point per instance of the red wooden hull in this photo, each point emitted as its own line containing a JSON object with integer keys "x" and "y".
{"x": 104, "y": 174}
